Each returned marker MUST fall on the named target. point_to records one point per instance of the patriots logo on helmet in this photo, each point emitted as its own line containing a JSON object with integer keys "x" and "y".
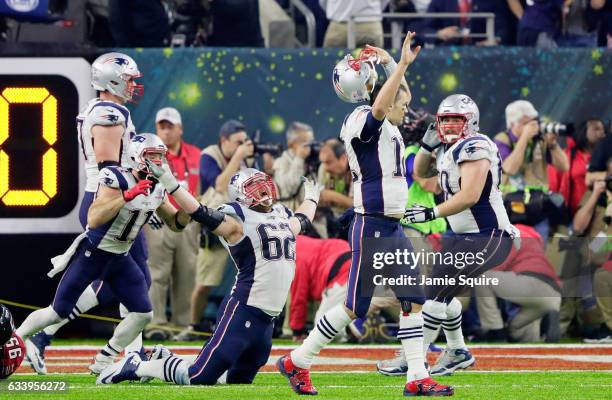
{"x": 118, "y": 61}
{"x": 234, "y": 179}
{"x": 336, "y": 80}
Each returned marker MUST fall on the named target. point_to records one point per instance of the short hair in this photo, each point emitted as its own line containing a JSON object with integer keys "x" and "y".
{"x": 336, "y": 146}
{"x": 376, "y": 90}
{"x": 517, "y": 110}
{"x": 295, "y": 128}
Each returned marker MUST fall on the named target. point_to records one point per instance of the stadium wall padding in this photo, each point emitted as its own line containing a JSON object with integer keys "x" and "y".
{"x": 267, "y": 88}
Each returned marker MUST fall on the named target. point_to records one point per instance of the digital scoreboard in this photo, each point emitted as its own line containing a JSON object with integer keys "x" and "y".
{"x": 41, "y": 174}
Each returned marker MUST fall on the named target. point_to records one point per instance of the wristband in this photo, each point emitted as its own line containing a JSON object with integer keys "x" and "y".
{"x": 436, "y": 212}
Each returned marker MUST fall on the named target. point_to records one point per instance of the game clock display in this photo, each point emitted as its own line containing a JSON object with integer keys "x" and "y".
{"x": 41, "y": 177}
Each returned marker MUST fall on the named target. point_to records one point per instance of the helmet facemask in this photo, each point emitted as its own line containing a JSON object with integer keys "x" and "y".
{"x": 132, "y": 89}
{"x": 450, "y": 132}
{"x": 152, "y": 154}
{"x": 260, "y": 189}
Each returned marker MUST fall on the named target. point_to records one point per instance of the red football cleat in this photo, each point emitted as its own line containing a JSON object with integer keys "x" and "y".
{"x": 299, "y": 378}
{"x": 427, "y": 387}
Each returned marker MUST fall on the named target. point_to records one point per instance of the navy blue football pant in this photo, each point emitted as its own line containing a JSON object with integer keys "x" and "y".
{"x": 495, "y": 247}
{"x": 120, "y": 273}
{"x": 138, "y": 252}
{"x": 359, "y": 296}
{"x": 240, "y": 345}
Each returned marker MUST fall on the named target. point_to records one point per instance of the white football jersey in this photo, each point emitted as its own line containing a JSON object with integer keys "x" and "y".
{"x": 118, "y": 234}
{"x": 106, "y": 113}
{"x": 378, "y": 170}
{"x": 264, "y": 257}
{"x": 489, "y": 212}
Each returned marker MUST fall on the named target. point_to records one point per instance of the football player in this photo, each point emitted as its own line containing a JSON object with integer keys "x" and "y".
{"x": 374, "y": 147}
{"x": 12, "y": 348}
{"x": 470, "y": 170}
{"x": 126, "y": 198}
{"x": 259, "y": 235}
{"x": 104, "y": 129}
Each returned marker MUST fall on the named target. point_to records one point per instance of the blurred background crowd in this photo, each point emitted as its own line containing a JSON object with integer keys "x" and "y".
{"x": 315, "y": 23}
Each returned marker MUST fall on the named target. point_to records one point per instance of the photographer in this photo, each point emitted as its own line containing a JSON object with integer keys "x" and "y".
{"x": 172, "y": 255}
{"x": 525, "y": 152}
{"x": 334, "y": 174}
{"x": 218, "y": 163}
{"x": 572, "y": 184}
{"x": 593, "y": 221}
{"x": 290, "y": 166}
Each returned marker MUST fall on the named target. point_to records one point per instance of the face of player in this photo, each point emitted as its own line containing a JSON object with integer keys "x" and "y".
{"x": 451, "y": 127}
{"x": 231, "y": 143}
{"x": 170, "y": 134}
{"x": 398, "y": 109}
{"x": 262, "y": 190}
{"x": 337, "y": 167}
{"x": 153, "y": 156}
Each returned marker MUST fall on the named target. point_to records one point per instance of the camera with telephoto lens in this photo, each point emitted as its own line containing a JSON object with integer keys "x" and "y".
{"x": 260, "y": 148}
{"x": 558, "y": 128}
{"x": 312, "y": 162}
{"x": 415, "y": 124}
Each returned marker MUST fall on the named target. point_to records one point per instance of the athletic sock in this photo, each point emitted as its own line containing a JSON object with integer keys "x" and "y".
{"x": 434, "y": 313}
{"x": 171, "y": 369}
{"x": 86, "y": 302}
{"x": 410, "y": 333}
{"x": 128, "y": 330}
{"x": 327, "y": 327}
{"x": 452, "y": 326}
{"x": 36, "y": 321}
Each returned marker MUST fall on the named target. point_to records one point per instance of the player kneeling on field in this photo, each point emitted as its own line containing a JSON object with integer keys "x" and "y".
{"x": 260, "y": 237}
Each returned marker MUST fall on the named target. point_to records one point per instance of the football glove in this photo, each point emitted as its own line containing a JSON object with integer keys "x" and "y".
{"x": 163, "y": 175}
{"x": 142, "y": 187}
{"x": 431, "y": 140}
{"x": 419, "y": 213}
{"x": 312, "y": 190}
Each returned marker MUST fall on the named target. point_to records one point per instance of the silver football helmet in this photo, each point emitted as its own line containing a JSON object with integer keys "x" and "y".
{"x": 140, "y": 146}
{"x": 116, "y": 73}
{"x": 457, "y": 105}
{"x": 355, "y": 78}
{"x": 252, "y": 187}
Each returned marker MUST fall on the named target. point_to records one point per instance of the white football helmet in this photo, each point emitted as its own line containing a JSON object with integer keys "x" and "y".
{"x": 457, "y": 105}
{"x": 355, "y": 78}
{"x": 252, "y": 187}
{"x": 115, "y": 73}
{"x": 141, "y": 145}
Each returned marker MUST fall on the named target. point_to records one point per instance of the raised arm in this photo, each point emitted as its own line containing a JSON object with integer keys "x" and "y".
{"x": 306, "y": 211}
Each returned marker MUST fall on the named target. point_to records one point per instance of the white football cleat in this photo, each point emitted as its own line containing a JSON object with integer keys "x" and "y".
{"x": 123, "y": 370}
{"x": 35, "y": 358}
{"x": 451, "y": 360}
{"x": 100, "y": 362}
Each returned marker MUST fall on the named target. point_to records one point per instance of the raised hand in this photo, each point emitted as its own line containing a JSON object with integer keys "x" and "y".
{"x": 163, "y": 175}
{"x": 312, "y": 190}
{"x": 408, "y": 54}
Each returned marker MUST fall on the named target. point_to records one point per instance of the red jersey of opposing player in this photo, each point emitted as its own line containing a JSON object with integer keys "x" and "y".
{"x": 11, "y": 356}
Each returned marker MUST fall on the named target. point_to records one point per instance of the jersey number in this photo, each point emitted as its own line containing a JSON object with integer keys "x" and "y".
{"x": 127, "y": 229}
{"x": 273, "y": 247}
{"x": 399, "y": 165}
{"x": 15, "y": 351}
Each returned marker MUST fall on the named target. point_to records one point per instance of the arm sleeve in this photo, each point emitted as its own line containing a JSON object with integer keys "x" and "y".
{"x": 209, "y": 171}
{"x": 288, "y": 175}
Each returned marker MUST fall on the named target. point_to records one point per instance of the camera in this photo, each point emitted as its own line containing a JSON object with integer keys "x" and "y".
{"x": 558, "y": 128}
{"x": 415, "y": 124}
{"x": 312, "y": 162}
{"x": 260, "y": 148}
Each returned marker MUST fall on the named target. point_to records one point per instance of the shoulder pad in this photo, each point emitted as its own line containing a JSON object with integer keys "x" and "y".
{"x": 107, "y": 113}
{"x": 233, "y": 209}
{"x": 354, "y": 122}
{"x": 282, "y": 210}
{"x": 112, "y": 177}
{"x": 474, "y": 149}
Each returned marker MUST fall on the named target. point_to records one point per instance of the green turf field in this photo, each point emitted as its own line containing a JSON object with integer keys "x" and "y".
{"x": 353, "y": 386}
